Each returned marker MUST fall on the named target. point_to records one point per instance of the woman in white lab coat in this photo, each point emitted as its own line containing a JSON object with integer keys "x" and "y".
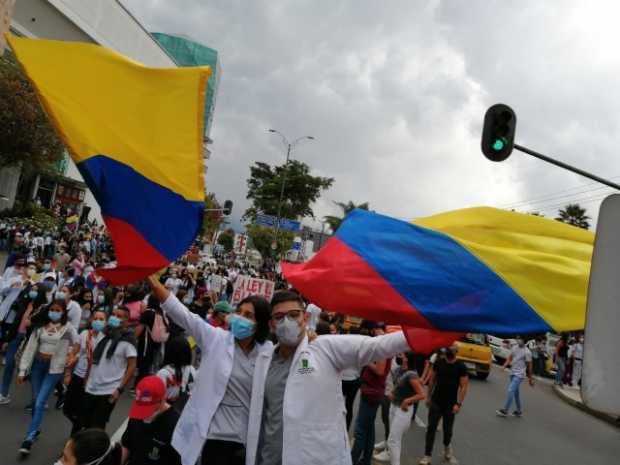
{"x": 224, "y": 400}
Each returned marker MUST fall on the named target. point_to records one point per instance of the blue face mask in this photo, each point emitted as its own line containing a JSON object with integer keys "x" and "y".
{"x": 60, "y": 295}
{"x": 33, "y": 294}
{"x": 241, "y": 327}
{"x": 114, "y": 321}
{"x": 98, "y": 325}
{"x": 54, "y": 316}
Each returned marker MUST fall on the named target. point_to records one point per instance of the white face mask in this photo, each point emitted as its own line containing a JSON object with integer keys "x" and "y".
{"x": 288, "y": 331}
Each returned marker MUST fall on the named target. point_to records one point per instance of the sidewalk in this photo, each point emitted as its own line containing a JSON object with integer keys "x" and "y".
{"x": 572, "y": 396}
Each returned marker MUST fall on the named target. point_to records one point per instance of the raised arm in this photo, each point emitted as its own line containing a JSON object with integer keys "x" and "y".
{"x": 195, "y": 326}
{"x": 359, "y": 351}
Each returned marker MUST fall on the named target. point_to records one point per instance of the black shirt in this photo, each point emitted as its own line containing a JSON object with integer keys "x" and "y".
{"x": 149, "y": 443}
{"x": 447, "y": 379}
{"x": 147, "y": 318}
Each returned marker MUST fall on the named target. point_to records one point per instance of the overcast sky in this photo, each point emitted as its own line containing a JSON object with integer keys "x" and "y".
{"x": 395, "y": 92}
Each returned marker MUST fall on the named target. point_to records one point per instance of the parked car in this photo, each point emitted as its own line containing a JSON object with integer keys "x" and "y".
{"x": 500, "y": 348}
{"x": 476, "y": 354}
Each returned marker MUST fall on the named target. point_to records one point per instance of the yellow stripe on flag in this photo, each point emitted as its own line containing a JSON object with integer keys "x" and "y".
{"x": 103, "y": 103}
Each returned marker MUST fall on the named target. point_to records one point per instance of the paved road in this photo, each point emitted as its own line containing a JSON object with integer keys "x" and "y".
{"x": 14, "y": 422}
{"x": 551, "y": 432}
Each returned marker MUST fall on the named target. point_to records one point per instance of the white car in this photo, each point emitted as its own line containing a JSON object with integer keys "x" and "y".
{"x": 500, "y": 347}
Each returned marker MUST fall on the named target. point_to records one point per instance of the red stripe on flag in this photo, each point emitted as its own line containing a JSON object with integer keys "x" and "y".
{"x": 339, "y": 280}
{"x": 132, "y": 249}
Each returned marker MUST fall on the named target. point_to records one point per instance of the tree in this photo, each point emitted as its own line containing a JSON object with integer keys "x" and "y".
{"x": 212, "y": 219}
{"x": 335, "y": 221}
{"x": 262, "y": 238}
{"x": 300, "y": 191}
{"x": 26, "y": 134}
{"x": 575, "y": 215}
{"x": 227, "y": 240}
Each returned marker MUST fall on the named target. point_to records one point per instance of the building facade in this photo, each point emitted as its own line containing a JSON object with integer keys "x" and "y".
{"x": 187, "y": 52}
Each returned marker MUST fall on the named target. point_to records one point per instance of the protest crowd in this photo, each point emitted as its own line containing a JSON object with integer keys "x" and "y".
{"x": 226, "y": 364}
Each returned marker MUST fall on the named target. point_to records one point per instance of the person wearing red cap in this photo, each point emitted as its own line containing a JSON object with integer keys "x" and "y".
{"x": 148, "y": 437}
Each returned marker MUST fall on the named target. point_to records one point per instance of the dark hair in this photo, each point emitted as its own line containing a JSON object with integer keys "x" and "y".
{"x": 65, "y": 315}
{"x": 92, "y": 444}
{"x": 286, "y": 296}
{"x": 40, "y": 299}
{"x": 322, "y": 327}
{"x": 153, "y": 302}
{"x": 85, "y": 290}
{"x": 123, "y": 309}
{"x": 178, "y": 354}
{"x": 262, "y": 314}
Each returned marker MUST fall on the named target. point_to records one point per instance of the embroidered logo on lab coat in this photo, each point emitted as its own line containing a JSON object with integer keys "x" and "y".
{"x": 305, "y": 368}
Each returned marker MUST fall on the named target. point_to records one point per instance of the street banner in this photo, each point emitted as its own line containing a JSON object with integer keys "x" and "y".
{"x": 136, "y": 135}
{"x": 246, "y": 286}
{"x": 477, "y": 270}
{"x": 241, "y": 244}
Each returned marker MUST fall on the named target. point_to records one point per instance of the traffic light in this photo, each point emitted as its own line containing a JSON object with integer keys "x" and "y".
{"x": 498, "y": 133}
{"x": 227, "y": 207}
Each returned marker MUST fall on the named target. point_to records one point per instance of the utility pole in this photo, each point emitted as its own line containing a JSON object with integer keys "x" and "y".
{"x": 289, "y": 147}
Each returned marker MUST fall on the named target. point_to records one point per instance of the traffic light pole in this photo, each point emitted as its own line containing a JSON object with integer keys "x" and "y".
{"x": 566, "y": 166}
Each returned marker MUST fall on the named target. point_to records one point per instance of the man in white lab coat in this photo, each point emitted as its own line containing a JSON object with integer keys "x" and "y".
{"x": 303, "y": 421}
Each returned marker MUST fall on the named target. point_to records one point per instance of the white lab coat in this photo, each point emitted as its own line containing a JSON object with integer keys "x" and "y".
{"x": 314, "y": 414}
{"x": 218, "y": 349}
{"x": 314, "y": 424}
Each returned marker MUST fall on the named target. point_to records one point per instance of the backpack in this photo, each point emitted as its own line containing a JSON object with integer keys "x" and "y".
{"x": 159, "y": 332}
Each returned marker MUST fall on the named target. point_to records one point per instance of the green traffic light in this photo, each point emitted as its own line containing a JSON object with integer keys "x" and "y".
{"x": 499, "y": 145}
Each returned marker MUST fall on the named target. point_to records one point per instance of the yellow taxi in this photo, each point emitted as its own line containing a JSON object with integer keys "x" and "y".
{"x": 475, "y": 354}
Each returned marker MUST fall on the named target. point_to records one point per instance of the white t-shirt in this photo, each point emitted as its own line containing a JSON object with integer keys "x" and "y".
{"x": 74, "y": 313}
{"x": 215, "y": 283}
{"x": 82, "y": 365}
{"x": 578, "y": 351}
{"x": 173, "y": 284}
{"x": 173, "y": 386}
{"x": 107, "y": 375}
{"x": 521, "y": 356}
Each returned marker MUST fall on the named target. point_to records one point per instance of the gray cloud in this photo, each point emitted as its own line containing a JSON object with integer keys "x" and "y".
{"x": 394, "y": 93}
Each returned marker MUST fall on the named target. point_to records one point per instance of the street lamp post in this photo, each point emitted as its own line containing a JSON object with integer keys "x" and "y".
{"x": 289, "y": 146}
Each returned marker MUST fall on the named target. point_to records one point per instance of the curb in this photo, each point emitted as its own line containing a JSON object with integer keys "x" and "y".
{"x": 600, "y": 415}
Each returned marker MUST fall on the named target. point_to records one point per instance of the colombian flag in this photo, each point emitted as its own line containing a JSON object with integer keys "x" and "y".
{"x": 136, "y": 135}
{"x": 479, "y": 270}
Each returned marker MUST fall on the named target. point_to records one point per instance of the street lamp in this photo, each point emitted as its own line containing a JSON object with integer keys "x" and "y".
{"x": 289, "y": 146}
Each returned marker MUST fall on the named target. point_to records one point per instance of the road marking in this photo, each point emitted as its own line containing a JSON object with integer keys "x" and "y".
{"x": 118, "y": 434}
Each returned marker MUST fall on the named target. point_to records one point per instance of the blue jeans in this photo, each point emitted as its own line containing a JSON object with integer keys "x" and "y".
{"x": 9, "y": 367}
{"x": 43, "y": 383}
{"x": 364, "y": 433}
{"x": 560, "y": 370}
{"x": 513, "y": 392}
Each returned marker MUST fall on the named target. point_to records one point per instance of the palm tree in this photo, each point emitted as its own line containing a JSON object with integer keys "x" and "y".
{"x": 575, "y": 215}
{"x": 335, "y": 221}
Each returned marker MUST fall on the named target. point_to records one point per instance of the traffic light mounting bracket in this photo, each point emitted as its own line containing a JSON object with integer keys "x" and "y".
{"x": 566, "y": 166}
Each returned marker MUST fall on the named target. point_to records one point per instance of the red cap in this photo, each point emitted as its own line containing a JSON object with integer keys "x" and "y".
{"x": 150, "y": 391}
